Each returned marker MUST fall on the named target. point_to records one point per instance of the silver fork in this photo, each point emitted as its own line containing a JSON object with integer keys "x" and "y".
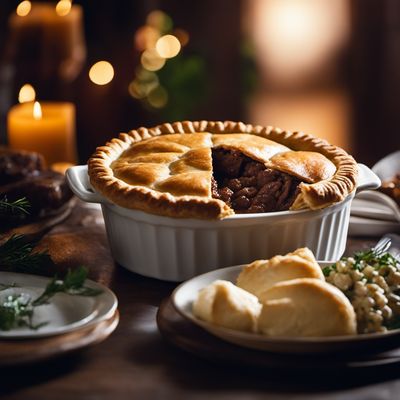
{"x": 388, "y": 243}
{"x": 383, "y": 245}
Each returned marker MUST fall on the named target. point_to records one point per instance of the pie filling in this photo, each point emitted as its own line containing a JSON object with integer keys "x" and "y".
{"x": 247, "y": 186}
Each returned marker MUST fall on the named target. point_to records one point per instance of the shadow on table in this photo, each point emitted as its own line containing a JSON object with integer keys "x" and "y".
{"x": 196, "y": 374}
{"x": 18, "y": 377}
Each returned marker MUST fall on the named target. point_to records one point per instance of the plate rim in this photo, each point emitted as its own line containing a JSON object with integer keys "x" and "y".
{"x": 106, "y": 309}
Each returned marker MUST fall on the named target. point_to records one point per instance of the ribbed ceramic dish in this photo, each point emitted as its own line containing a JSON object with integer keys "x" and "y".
{"x": 176, "y": 249}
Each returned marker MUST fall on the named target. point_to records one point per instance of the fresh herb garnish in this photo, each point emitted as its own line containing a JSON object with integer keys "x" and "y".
{"x": 16, "y": 254}
{"x": 15, "y": 311}
{"x": 18, "y": 310}
{"x": 17, "y": 208}
{"x": 73, "y": 284}
{"x": 376, "y": 258}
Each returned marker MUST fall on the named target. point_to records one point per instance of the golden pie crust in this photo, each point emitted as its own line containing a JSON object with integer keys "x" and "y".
{"x": 167, "y": 170}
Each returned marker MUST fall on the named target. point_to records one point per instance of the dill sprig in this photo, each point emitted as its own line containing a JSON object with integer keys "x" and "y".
{"x": 18, "y": 255}
{"x": 18, "y": 310}
{"x": 17, "y": 208}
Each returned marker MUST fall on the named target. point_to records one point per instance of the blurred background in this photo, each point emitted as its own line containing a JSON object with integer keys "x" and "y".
{"x": 330, "y": 68}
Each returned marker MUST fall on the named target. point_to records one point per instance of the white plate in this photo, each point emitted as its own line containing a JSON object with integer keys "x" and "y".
{"x": 64, "y": 314}
{"x": 369, "y": 227}
{"x": 371, "y": 209}
{"x": 185, "y": 294}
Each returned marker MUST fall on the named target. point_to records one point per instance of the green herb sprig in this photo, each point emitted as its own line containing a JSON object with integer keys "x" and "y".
{"x": 73, "y": 284}
{"x": 18, "y": 310}
{"x": 18, "y": 255}
{"x": 17, "y": 208}
{"x": 375, "y": 258}
{"x": 15, "y": 311}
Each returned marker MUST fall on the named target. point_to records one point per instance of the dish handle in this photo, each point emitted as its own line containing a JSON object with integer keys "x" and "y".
{"x": 367, "y": 179}
{"x": 78, "y": 180}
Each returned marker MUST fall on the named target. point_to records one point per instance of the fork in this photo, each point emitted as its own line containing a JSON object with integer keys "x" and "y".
{"x": 389, "y": 243}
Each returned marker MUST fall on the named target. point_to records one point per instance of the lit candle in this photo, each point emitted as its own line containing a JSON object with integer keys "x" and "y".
{"x": 47, "y": 128}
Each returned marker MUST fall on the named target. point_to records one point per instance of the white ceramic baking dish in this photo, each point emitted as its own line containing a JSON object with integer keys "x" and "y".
{"x": 176, "y": 249}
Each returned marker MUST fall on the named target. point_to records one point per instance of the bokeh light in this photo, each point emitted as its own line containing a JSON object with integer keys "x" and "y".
{"x": 63, "y": 7}
{"x": 159, "y": 20}
{"x": 151, "y": 60}
{"x": 168, "y": 46}
{"x": 27, "y": 93}
{"x": 101, "y": 73}
{"x": 182, "y": 36}
{"x": 145, "y": 82}
{"x": 146, "y": 37}
{"x": 24, "y": 8}
{"x": 158, "y": 98}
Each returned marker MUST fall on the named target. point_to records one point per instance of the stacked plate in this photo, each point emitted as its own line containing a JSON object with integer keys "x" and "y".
{"x": 67, "y": 323}
{"x": 374, "y": 213}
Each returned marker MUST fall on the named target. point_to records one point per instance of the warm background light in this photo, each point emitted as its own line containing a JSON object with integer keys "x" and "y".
{"x": 160, "y": 20}
{"x": 151, "y": 60}
{"x": 158, "y": 98}
{"x": 146, "y": 37}
{"x": 295, "y": 39}
{"x": 24, "y": 8}
{"x": 145, "y": 82}
{"x": 298, "y": 45}
{"x": 182, "y": 36}
{"x": 63, "y": 7}
{"x": 101, "y": 73}
{"x": 168, "y": 46}
{"x": 37, "y": 110}
{"x": 27, "y": 93}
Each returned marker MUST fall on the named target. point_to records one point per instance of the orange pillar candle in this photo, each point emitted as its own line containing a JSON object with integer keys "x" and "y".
{"x": 50, "y": 131}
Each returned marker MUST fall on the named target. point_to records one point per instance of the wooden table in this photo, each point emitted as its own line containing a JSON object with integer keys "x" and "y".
{"x": 136, "y": 363}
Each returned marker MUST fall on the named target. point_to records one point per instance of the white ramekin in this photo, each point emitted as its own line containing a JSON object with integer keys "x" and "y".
{"x": 176, "y": 249}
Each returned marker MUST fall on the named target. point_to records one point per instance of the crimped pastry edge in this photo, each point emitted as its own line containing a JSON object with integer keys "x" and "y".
{"x": 313, "y": 196}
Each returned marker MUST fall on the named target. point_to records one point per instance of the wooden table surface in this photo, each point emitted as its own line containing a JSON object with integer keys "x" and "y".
{"x": 135, "y": 362}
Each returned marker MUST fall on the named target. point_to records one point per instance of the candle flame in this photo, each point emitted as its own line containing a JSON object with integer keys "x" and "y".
{"x": 37, "y": 110}
{"x": 24, "y": 8}
{"x": 26, "y": 94}
{"x": 63, "y": 7}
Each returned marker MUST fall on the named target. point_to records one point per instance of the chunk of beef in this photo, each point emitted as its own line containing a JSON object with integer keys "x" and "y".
{"x": 248, "y": 186}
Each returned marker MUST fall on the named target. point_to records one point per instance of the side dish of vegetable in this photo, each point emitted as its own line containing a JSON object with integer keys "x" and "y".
{"x": 371, "y": 281}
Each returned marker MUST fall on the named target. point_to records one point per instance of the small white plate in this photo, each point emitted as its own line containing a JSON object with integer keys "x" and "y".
{"x": 369, "y": 227}
{"x": 186, "y": 293}
{"x": 64, "y": 314}
{"x": 373, "y": 210}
